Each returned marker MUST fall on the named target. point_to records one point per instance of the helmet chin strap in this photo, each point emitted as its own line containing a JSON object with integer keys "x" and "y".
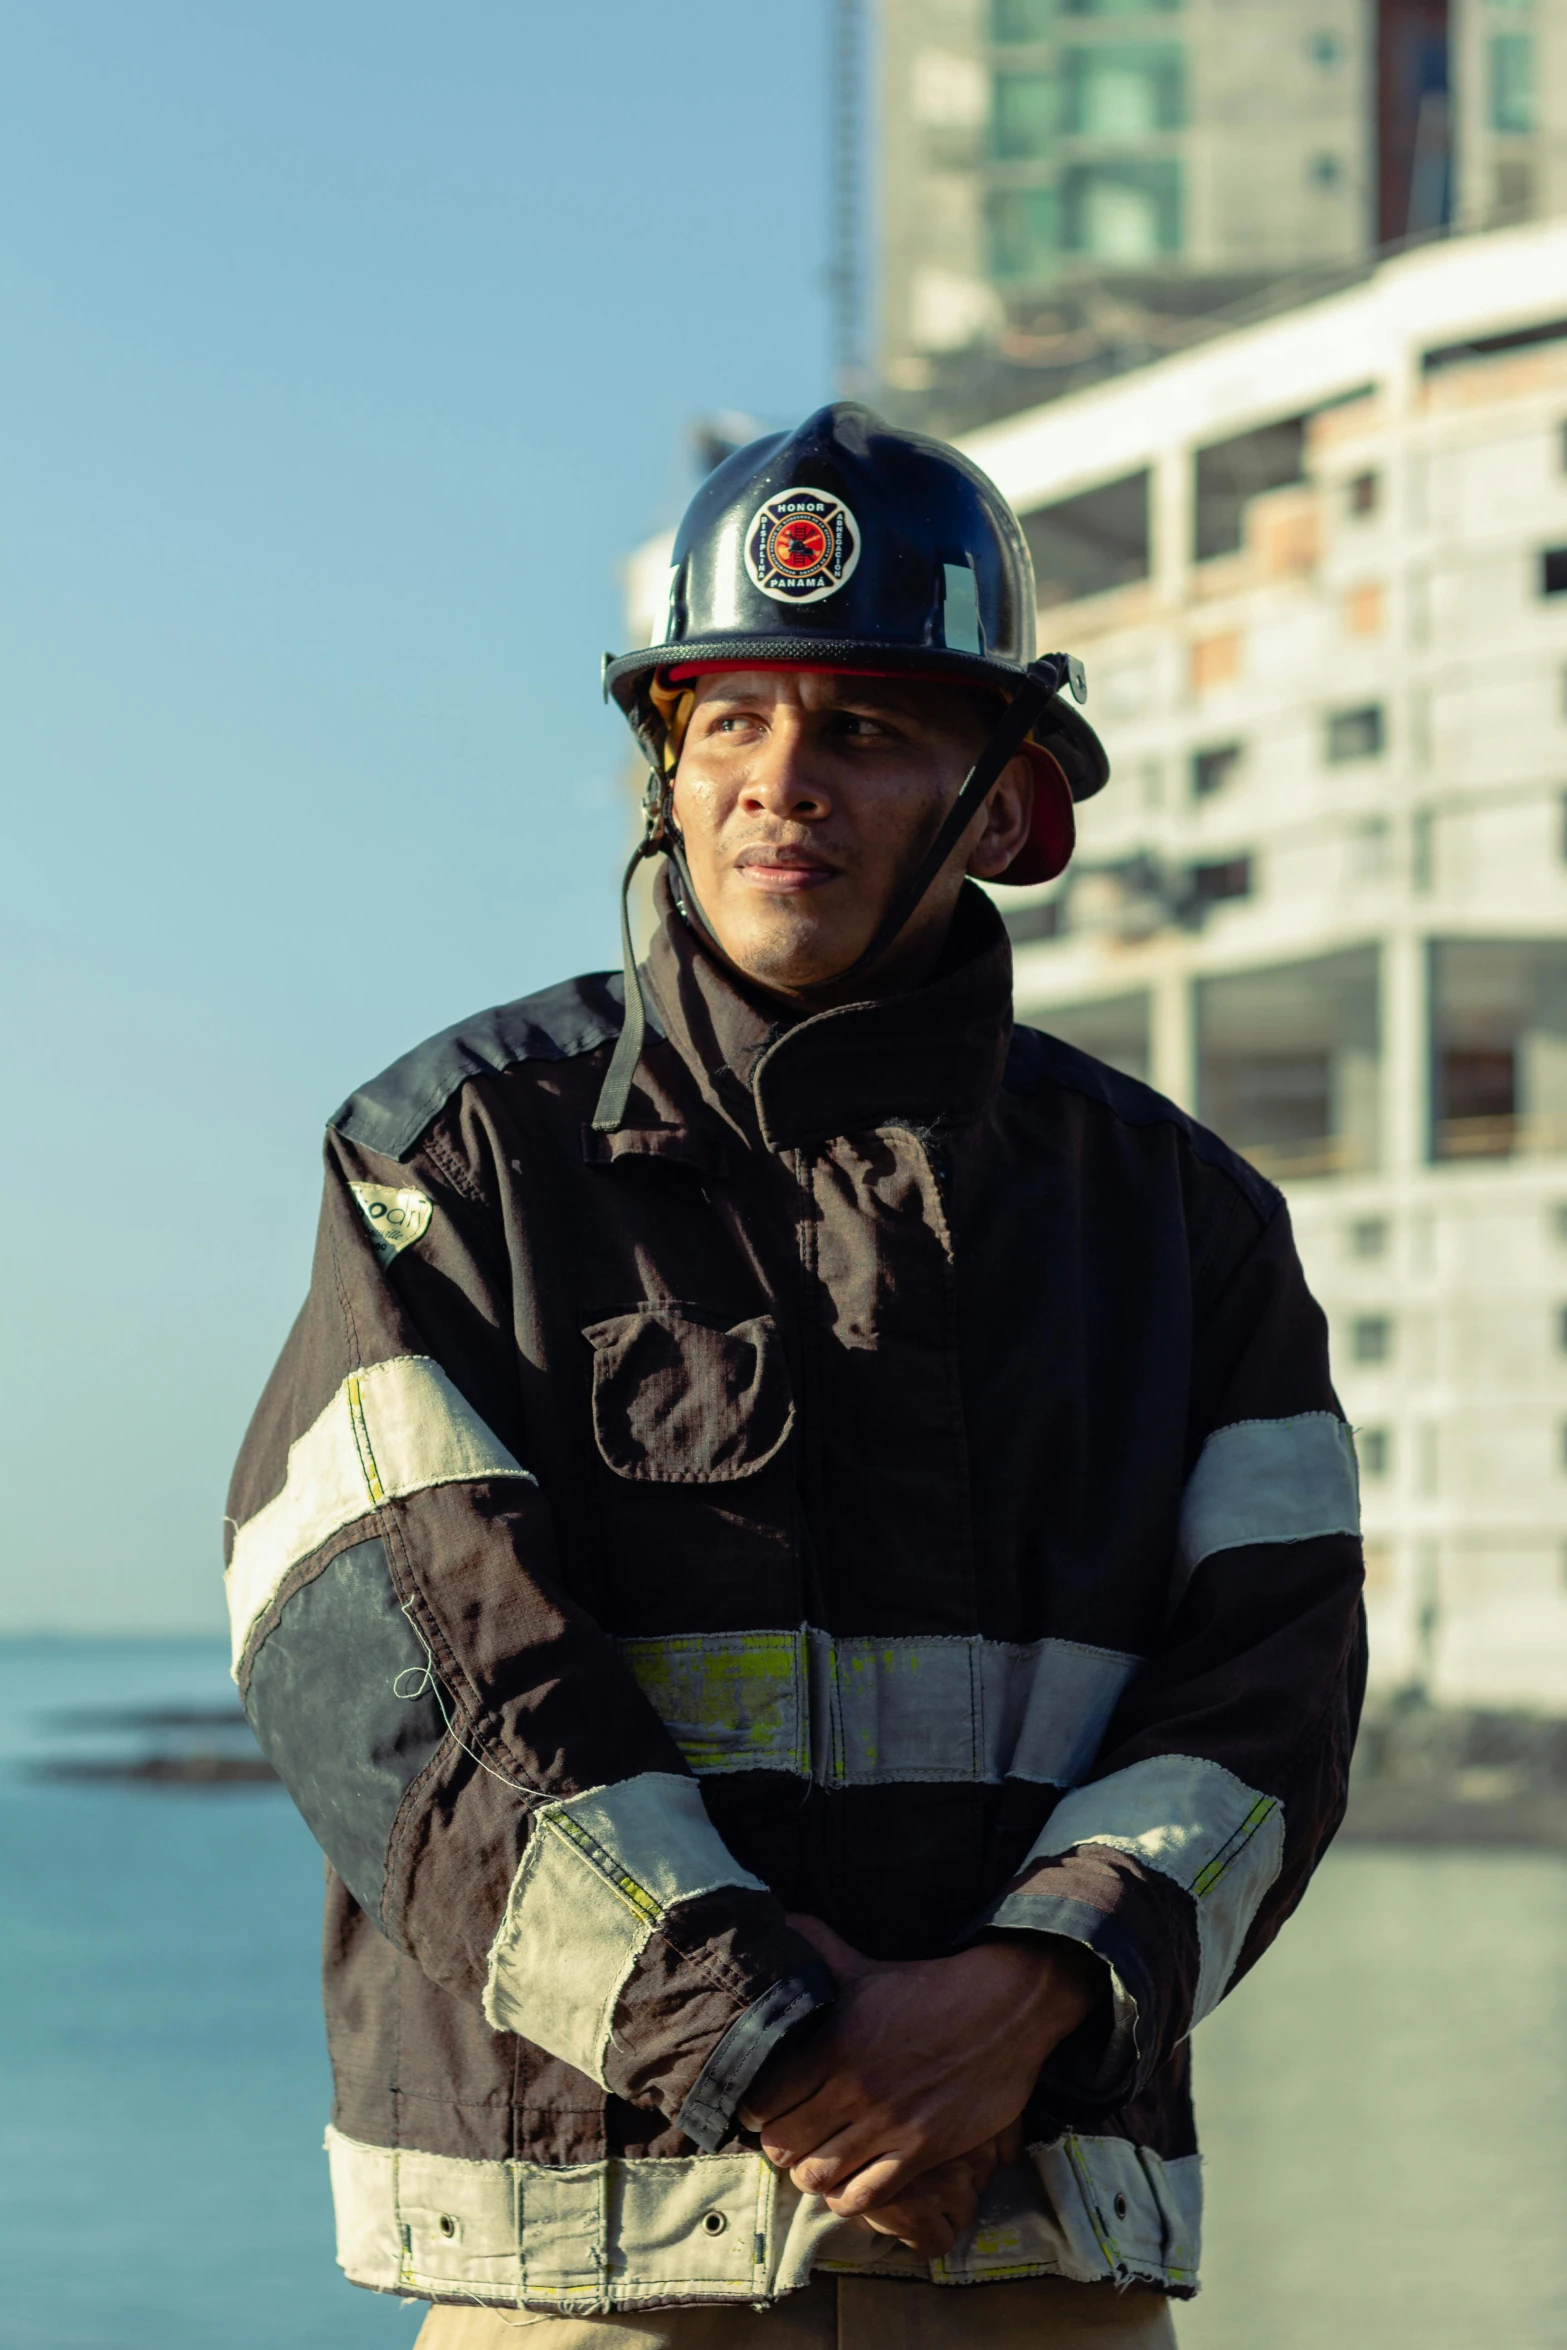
{"x": 1042, "y": 680}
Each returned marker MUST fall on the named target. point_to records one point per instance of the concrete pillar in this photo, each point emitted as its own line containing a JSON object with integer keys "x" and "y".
{"x": 1170, "y": 523}
{"x": 1173, "y": 1038}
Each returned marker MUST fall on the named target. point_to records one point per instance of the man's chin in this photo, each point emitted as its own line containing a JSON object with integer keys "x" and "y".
{"x": 788, "y": 956}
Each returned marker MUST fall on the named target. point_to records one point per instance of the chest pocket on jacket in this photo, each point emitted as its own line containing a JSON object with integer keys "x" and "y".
{"x": 677, "y": 1401}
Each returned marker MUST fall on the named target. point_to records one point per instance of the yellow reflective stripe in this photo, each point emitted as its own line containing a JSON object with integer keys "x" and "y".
{"x": 728, "y": 1705}
{"x": 1206, "y": 1878}
{"x": 1196, "y": 1823}
{"x": 860, "y": 1712}
{"x": 356, "y": 1418}
{"x": 566, "y": 1942}
{"x": 637, "y": 2230}
{"x": 391, "y": 1429}
{"x": 636, "y": 1897}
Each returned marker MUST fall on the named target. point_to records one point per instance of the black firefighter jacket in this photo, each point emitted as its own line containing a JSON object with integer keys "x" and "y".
{"x": 897, "y": 1478}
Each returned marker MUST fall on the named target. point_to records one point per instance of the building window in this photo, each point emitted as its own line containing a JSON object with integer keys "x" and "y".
{"x": 1561, "y": 1328}
{"x": 1114, "y": 1029}
{"x": 1290, "y": 1064}
{"x": 1365, "y": 492}
{"x": 1091, "y": 543}
{"x": 1325, "y": 171}
{"x": 1117, "y": 7}
{"x": 1353, "y": 734}
{"x": 1026, "y": 116}
{"x": 1374, "y": 1450}
{"x": 1512, "y": 82}
{"x": 1127, "y": 213}
{"x": 1212, "y": 884}
{"x": 1324, "y": 50}
{"x": 1499, "y": 1048}
{"x": 1233, "y": 472}
{"x": 1553, "y": 571}
{"x": 1026, "y": 925}
{"x": 1212, "y": 770}
{"x": 1559, "y": 1222}
{"x": 1368, "y": 1236}
{"x": 1013, "y": 21}
{"x": 1371, "y": 1338}
{"x": 1025, "y": 234}
{"x": 1125, "y": 89}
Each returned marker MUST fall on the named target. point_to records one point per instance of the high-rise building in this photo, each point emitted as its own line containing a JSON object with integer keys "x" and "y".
{"x": 1069, "y": 187}
{"x": 1317, "y": 569}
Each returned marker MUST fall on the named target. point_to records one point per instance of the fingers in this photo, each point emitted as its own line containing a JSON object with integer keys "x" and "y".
{"x": 875, "y": 2182}
{"x": 921, "y": 2222}
{"x": 936, "y": 2208}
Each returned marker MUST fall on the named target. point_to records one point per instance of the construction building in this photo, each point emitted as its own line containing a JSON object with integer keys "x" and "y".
{"x": 1317, "y": 569}
{"x": 1070, "y": 187}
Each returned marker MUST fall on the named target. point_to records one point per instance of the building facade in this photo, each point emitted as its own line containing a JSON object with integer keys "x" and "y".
{"x": 1072, "y": 186}
{"x": 1318, "y": 573}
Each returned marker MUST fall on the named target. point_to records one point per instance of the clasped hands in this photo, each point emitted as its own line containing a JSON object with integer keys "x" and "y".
{"x": 900, "y": 2107}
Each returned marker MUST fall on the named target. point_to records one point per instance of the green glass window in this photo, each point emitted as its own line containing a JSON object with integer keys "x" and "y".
{"x": 1025, "y": 233}
{"x": 1027, "y": 114}
{"x": 1020, "y": 20}
{"x": 1129, "y": 213}
{"x": 1130, "y": 90}
{"x": 1512, "y": 82}
{"x": 1116, "y": 7}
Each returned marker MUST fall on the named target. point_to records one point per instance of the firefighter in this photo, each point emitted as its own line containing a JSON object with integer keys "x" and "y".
{"x": 801, "y": 1558}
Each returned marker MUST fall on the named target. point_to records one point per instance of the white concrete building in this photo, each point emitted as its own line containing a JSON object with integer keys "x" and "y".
{"x": 1318, "y": 574}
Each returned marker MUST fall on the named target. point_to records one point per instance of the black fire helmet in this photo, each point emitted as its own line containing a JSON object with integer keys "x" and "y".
{"x": 852, "y": 545}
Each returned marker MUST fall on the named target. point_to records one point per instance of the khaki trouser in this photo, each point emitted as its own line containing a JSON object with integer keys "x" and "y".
{"x": 843, "y": 2313}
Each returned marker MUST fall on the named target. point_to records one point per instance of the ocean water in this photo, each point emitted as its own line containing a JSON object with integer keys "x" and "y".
{"x": 163, "y": 2077}
{"x": 1383, "y": 2104}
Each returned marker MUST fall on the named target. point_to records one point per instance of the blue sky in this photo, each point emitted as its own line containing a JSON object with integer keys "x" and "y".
{"x": 347, "y": 350}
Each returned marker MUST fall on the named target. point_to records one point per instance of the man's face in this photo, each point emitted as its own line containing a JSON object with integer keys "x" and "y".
{"x": 804, "y": 800}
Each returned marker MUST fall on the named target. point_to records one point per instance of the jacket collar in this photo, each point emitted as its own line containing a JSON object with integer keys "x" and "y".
{"x": 932, "y": 1055}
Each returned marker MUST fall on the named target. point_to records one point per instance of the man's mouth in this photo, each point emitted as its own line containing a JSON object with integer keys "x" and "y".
{"x": 774, "y": 866}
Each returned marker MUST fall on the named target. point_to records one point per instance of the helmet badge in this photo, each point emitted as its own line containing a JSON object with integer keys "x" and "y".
{"x": 801, "y": 546}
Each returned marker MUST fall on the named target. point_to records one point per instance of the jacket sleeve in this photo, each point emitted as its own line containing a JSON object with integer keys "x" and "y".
{"x": 464, "y": 1742}
{"x": 1224, "y": 1770}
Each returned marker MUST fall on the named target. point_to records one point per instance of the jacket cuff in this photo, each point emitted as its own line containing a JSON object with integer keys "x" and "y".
{"x": 707, "y": 2114}
{"x": 1096, "y": 2067}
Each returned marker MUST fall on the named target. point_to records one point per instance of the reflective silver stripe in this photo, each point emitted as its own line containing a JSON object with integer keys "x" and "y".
{"x": 1192, "y": 1820}
{"x": 875, "y": 1713}
{"x": 600, "y": 1874}
{"x": 1268, "y": 1481}
{"x": 389, "y": 1430}
{"x": 632, "y": 2232}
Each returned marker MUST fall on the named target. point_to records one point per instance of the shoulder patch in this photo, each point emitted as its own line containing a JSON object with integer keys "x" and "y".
{"x": 391, "y": 1112}
{"x": 396, "y": 1218}
{"x": 1036, "y": 1061}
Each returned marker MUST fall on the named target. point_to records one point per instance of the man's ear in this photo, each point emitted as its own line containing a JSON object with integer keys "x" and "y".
{"x": 1009, "y": 813}
{"x": 1051, "y": 835}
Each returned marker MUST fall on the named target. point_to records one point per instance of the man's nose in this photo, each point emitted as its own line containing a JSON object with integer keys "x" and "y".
{"x": 783, "y": 776}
